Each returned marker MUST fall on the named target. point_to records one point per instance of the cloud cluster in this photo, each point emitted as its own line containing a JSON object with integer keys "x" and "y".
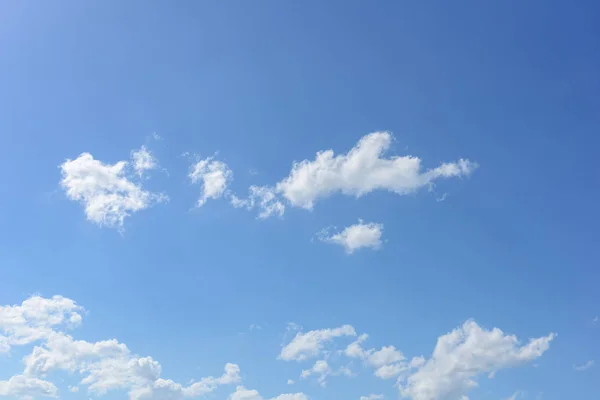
{"x": 109, "y": 192}
{"x": 103, "y": 366}
{"x": 459, "y": 358}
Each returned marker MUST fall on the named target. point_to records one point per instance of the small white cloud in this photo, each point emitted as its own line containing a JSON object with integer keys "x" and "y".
{"x": 372, "y": 397}
{"x": 213, "y": 175}
{"x": 589, "y": 364}
{"x": 143, "y": 160}
{"x": 321, "y": 369}
{"x": 262, "y": 197}
{"x": 242, "y": 393}
{"x": 73, "y": 389}
{"x": 362, "y": 170}
{"x": 355, "y": 237}
{"x": 310, "y": 344}
{"x": 442, "y": 197}
{"x": 105, "y": 190}
{"x": 515, "y": 395}
{"x": 254, "y": 327}
{"x": 595, "y": 320}
{"x": 290, "y": 382}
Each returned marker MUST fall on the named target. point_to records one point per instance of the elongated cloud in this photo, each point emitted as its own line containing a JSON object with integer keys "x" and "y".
{"x": 310, "y": 344}
{"x": 355, "y": 237}
{"x": 362, "y": 170}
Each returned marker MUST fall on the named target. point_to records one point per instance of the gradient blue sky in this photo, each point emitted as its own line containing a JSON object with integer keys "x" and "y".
{"x": 511, "y": 85}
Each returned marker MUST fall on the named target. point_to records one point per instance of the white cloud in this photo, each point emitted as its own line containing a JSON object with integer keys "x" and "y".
{"x": 103, "y": 366}
{"x": 242, "y": 393}
{"x": 462, "y": 355}
{"x": 310, "y": 344}
{"x": 372, "y": 397}
{"x": 362, "y": 170}
{"x": 321, "y": 369}
{"x": 105, "y": 190}
{"x": 262, "y": 197}
{"x": 388, "y": 362}
{"x": 143, "y": 160}
{"x": 585, "y": 366}
{"x": 213, "y": 175}
{"x": 290, "y": 382}
{"x": 515, "y": 395}
{"x": 35, "y": 319}
{"x": 26, "y": 387}
{"x": 355, "y": 237}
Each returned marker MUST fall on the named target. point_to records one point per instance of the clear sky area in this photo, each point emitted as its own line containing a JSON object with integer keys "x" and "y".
{"x": 299, "y": 200}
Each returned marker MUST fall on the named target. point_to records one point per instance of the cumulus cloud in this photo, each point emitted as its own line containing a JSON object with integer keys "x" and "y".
{"x": 242, "y": 393}
{"x": 35, "y": 319}
{"x": 107, "y": 191}
{"x": 310, "y": 344}
{"x": 213, "y": 175}
{"x": 103, "y": 365}
{"x": 25, "y": 387}
{"x": 355, "y": 237}
{"x": 388, "y": 361}
{"x": 362, "y": 170}
{"x": 462, "y": 355}
{"x": 143, "y": 160}
{"x": 585, "y": 366}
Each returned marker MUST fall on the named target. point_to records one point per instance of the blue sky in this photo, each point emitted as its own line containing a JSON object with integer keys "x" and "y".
{"x": 254, "y": 286}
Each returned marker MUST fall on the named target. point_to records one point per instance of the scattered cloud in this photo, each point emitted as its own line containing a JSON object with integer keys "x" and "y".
{"x": 143, "y": 160}
{"x": 595, "y": 320}
{"x": 107, "y": 192}
{"x": 262, "y": 197}
{"x": 254, "y": 327}
{"x": 213, "y": 175}
{"x": 103, "y": 366}
{"x": 372, "y": 397}
{"x": 462, "y": 355}
{"x": 362, "y": 170}
{"x": 589, "y": 364}
{"x": 310, "y": 344}
{"x": 290, "y": 382}
{"x": 321, "y": 369}
{"x": 388, "y": 361}
{"x": 242, "y": 393}
{"x": 355, "y": 237}
{"x": 515, "y": 395}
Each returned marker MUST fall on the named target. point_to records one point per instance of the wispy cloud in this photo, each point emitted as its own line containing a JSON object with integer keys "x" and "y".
{"x": 587, "y": 365}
